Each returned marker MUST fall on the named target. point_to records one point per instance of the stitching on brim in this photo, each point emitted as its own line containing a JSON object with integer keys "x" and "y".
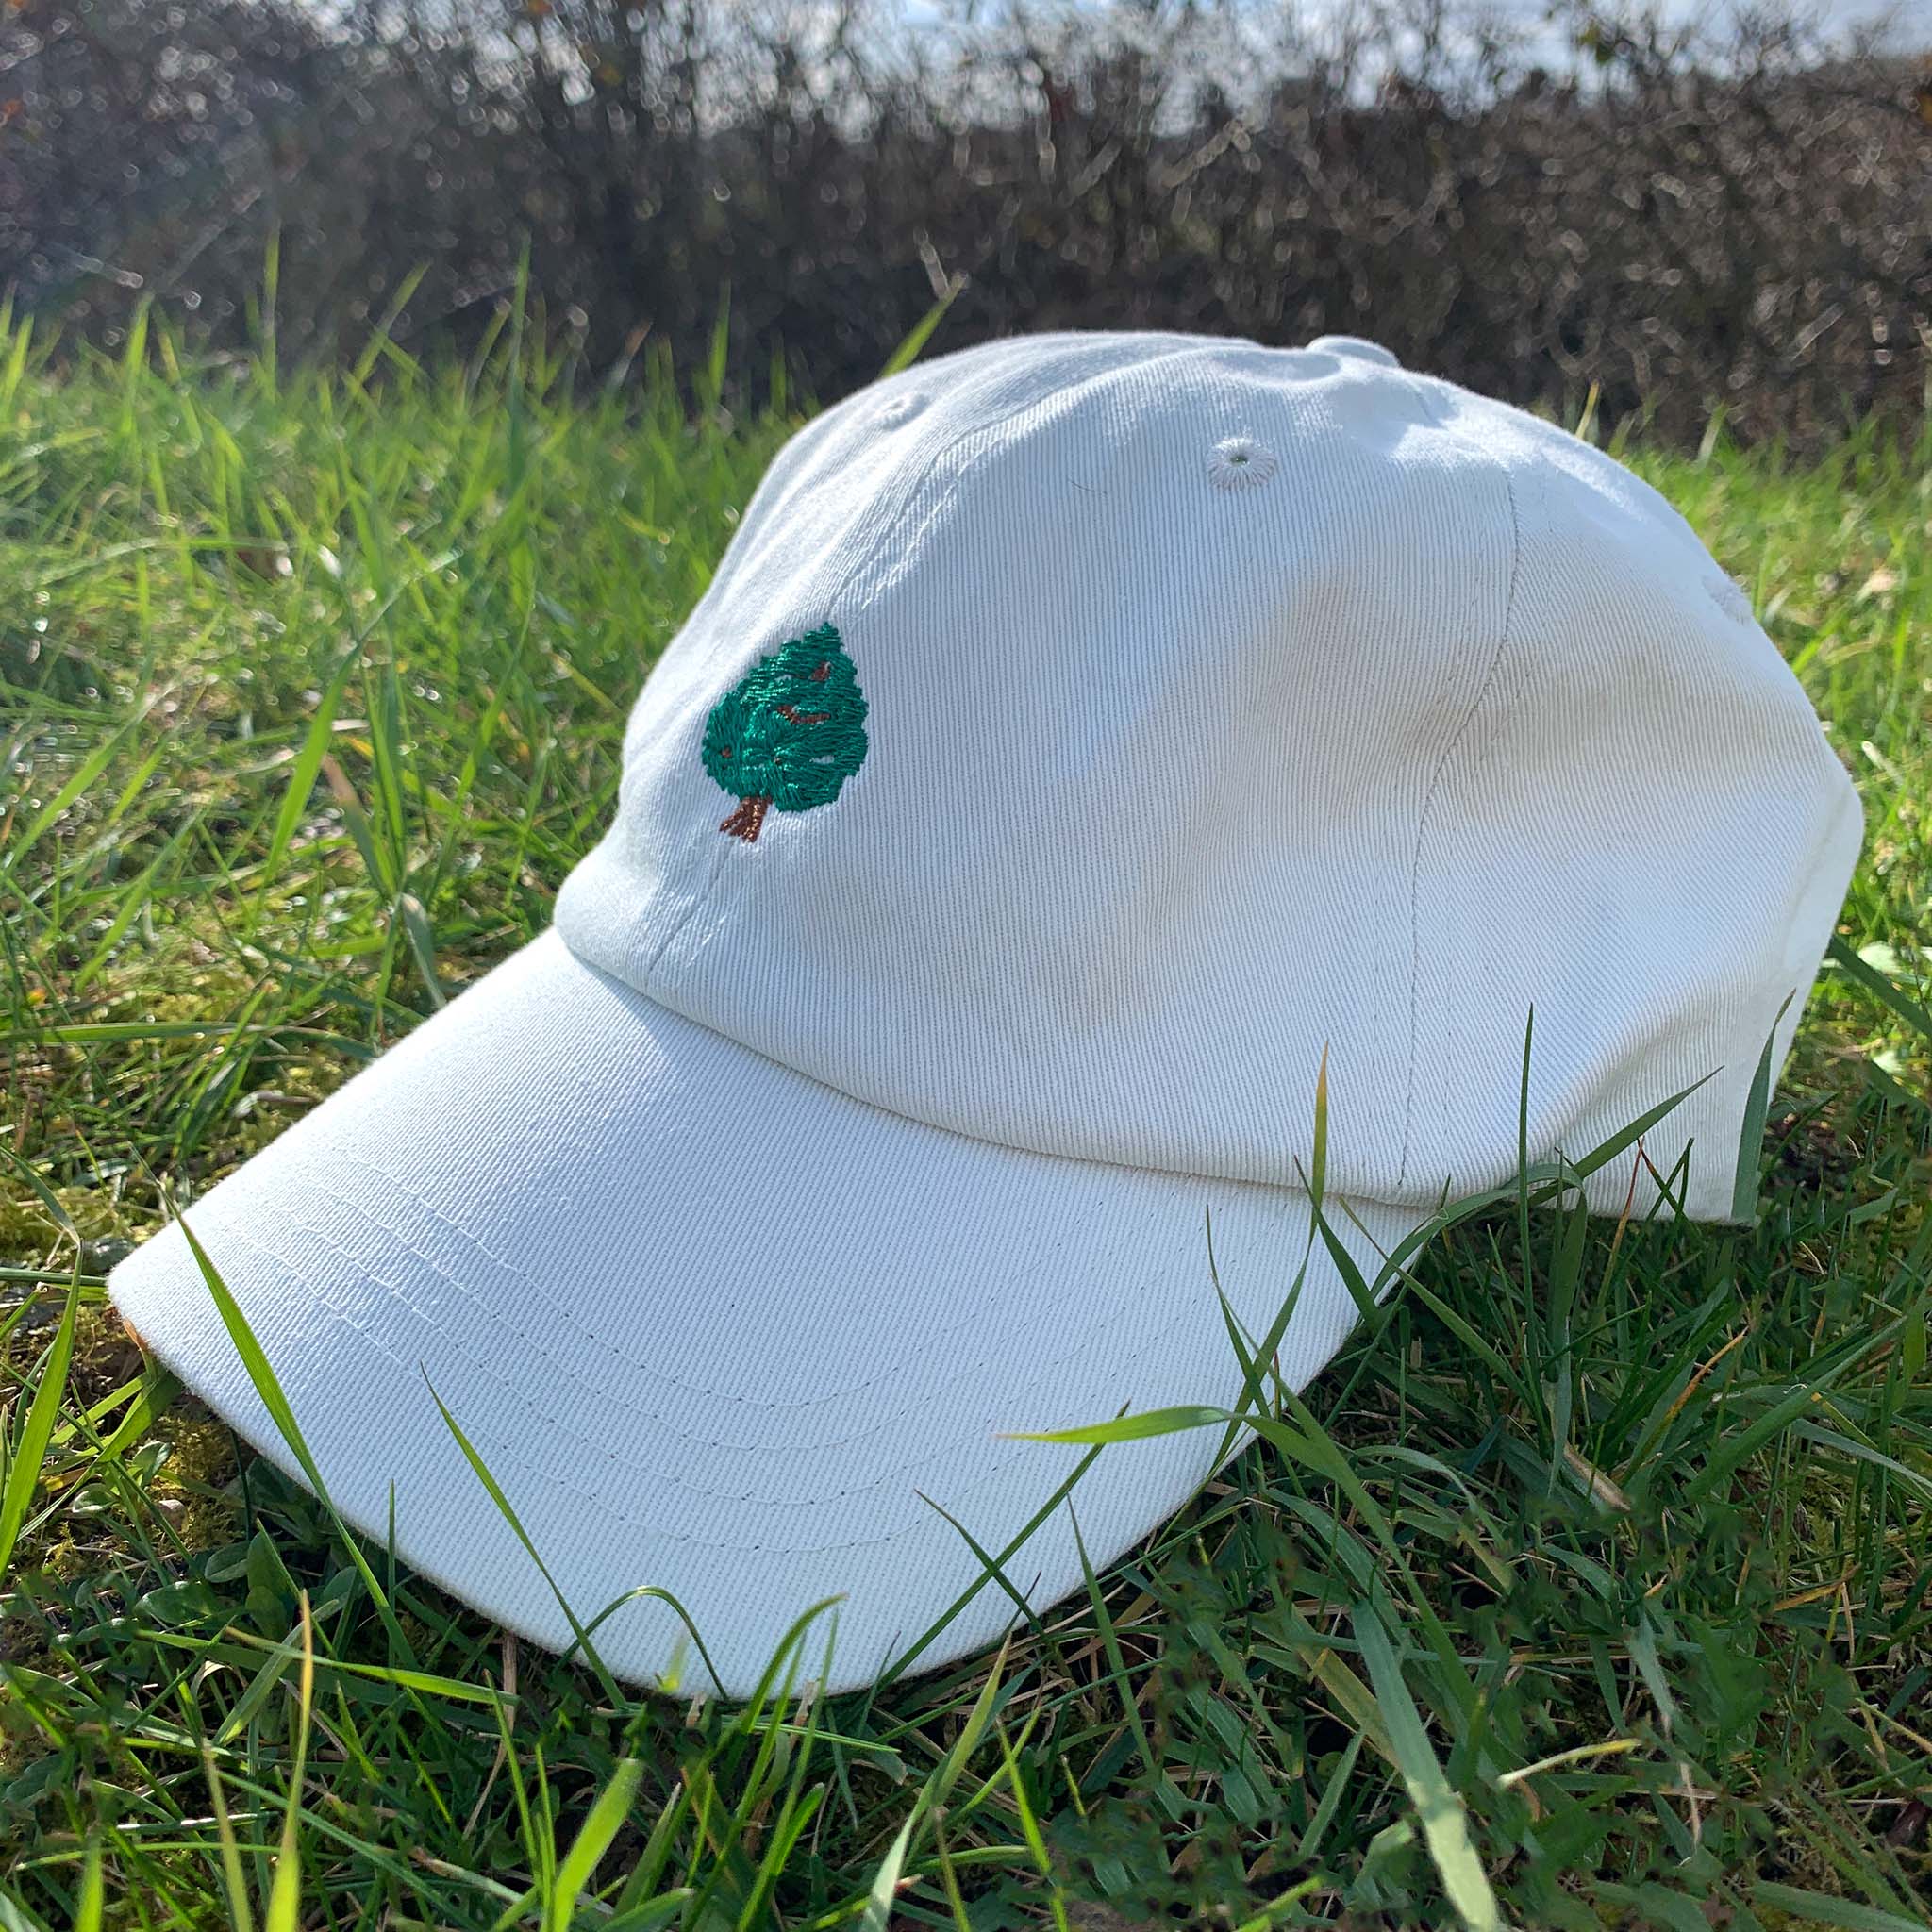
{"x": 1449, "y": 751}
{"x": 610, "y": 1510}
{"x": 624, "y": 1366}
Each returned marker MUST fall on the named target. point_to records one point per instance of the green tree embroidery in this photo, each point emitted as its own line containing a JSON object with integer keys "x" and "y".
{"x": 789, "y": 733}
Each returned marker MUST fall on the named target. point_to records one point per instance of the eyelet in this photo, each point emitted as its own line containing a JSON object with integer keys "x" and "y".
{"x": 1239, "y": 462}
{"x": 898, "y": 409}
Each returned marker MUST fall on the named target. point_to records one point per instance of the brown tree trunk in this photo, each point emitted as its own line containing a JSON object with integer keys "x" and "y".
{"x": 748, "y": 820}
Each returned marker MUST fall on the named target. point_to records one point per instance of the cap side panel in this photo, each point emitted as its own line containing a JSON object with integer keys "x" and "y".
{"x": 1645, "y": 840}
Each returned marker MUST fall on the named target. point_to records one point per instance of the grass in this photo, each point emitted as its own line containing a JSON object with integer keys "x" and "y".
{"x": 1592, "y": 1586}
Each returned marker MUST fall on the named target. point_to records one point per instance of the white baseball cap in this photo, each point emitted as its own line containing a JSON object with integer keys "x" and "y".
{"x": 1082, "y": 735}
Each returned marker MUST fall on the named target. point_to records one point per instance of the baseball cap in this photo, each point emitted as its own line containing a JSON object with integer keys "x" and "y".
{"x": 1082, "y": 735}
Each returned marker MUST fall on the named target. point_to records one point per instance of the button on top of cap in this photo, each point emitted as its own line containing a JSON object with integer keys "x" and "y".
{"x": 1354, "y": 345}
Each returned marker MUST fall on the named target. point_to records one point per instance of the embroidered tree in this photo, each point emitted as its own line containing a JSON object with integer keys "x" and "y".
{"x": 789, "y": 733}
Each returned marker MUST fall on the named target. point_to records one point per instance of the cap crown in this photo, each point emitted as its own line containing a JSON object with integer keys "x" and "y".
{"x": 1205, "y": 705}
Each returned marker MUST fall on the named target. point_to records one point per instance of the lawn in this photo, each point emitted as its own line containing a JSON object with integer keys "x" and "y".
{"x": 1593, "y": 1586}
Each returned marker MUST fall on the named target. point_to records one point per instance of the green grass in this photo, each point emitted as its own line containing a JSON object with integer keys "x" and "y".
{"x": 1593, "y": 1586}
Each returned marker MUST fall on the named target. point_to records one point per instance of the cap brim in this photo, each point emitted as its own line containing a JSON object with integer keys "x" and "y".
{"x": 717, "y": 1329}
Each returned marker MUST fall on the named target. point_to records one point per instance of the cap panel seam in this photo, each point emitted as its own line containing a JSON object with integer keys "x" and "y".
{"x": 1449, "y": 751}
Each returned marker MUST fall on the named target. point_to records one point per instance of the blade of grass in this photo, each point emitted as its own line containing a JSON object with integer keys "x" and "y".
{"x": 284, "y": 1913}
{"x": 1751, "y": 1130}
{"x": 268, "y": 1388}
{"x": 1444, "y": 1822}
{"x": 883, "y": 1891}
{"x": 91, "y": 1904}
{"x": 241, "y": 1912}
{"x": 1885, "y": 991}
{"x": 494, "y": 1490}
{"x": 28, "y": 1453}
{"x": 601, "y": 1823}
{"x": 1820, "y": 1909}
{"x": 910, "y": 347}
